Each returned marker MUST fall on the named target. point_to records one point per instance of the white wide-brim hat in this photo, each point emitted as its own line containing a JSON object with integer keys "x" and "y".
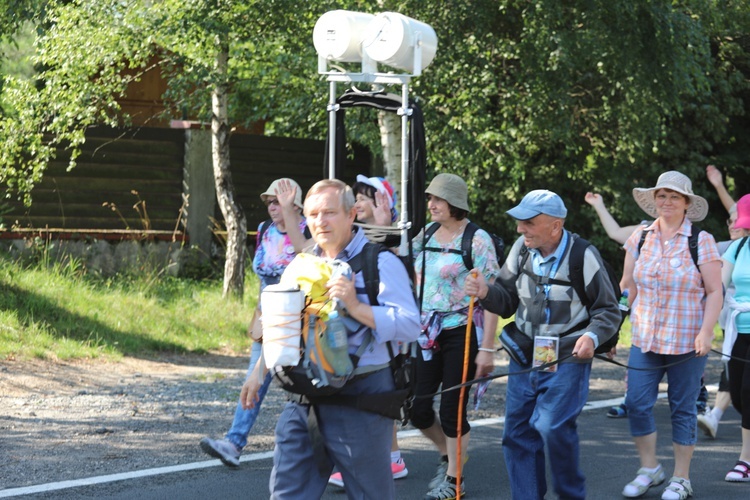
{"x": 678, "y": 182}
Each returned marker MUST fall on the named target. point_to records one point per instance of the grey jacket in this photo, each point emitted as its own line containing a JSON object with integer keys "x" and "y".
{"x": 514, "y": 292}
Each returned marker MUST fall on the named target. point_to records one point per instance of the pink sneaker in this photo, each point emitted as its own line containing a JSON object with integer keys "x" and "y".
{"x": 336, "y": 480}
{"x": 398, "y": 469}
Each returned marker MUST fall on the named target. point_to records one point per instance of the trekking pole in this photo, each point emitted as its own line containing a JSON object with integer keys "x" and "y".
{"x": 462, "y": 394}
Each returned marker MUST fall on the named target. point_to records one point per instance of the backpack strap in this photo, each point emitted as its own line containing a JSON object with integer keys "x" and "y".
{"x": 575, "y": 263}
{"x": 263, "y": 228}
{"x": 466, "y": 245}
{"x": 692, "y": 243}
{"x": 367, "y": 262}
{"x": 575, "y": 273}
{"x": 739, "y": 247}
{"x": 428, "y": 234}
{"x": 430, "y": 231}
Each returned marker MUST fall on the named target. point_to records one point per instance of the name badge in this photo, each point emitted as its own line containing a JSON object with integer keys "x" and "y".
{"x": 546, "y": 351}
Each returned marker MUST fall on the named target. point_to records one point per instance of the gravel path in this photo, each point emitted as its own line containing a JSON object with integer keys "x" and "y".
{"x": 61, "y": 421}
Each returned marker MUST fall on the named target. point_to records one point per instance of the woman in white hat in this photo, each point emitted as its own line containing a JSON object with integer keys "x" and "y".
{"x": 677, "y": 306}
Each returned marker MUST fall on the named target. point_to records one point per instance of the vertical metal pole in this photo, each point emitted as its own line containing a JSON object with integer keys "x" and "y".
{"x": 405, "y": 112}
{"x": 332, "y": 108}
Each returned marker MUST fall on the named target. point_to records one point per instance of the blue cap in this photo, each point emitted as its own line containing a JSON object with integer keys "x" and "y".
{"x": 539, "y": 201}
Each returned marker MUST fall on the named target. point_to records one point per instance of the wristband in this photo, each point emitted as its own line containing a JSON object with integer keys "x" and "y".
{"x": 486, "y": 349}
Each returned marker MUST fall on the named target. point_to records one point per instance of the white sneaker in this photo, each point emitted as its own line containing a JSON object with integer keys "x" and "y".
{"x": 708, "y": 423}
{"x": 222, "y": 449}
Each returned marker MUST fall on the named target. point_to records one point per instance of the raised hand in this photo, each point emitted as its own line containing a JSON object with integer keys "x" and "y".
{"x": 381, "y": 211}
{"x": 285, "y": 193}
{"x": 594, "y": 199}
{"x": 714, "y": 176}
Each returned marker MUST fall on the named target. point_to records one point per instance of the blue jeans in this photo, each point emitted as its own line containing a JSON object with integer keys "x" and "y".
{"x": 244, "y": 419}
{"x": 684, "y": 382}
{"x": 541, "y": 410}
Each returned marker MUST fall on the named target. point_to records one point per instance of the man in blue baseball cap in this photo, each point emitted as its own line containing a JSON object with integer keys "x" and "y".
{"x": 551, "y": 323}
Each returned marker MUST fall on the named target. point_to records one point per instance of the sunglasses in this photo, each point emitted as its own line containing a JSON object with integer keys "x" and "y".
{"x": 271, "y": 202}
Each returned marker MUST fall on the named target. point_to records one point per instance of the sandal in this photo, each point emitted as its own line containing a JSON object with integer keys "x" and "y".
{"x": 619, "y": 411}
{"x": 643, "y": 481}
{"x": 740, "y": 473}
{"x": 678, "y": 489}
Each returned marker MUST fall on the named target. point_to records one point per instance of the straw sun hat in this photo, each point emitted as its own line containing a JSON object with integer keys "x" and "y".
{"x": 675, "y": 181}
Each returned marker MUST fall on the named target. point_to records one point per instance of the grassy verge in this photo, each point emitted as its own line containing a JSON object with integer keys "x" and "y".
{"x": 61, "y": 313}
{"x": 58, "y": 312}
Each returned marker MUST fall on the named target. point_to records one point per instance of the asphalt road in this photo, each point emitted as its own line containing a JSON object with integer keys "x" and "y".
{"x": 608, "y": 457}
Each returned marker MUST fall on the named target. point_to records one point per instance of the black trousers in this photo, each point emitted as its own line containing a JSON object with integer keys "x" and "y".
{"x": 446, "y": 369}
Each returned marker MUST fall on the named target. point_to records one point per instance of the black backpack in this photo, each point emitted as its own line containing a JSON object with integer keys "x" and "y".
{"x": 466, "y": 248}
{"x": 575, "y": 264}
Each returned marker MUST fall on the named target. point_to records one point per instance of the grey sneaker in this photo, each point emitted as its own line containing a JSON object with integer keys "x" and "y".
{"x": 440, "y": 472}
{"x": 222, "y": 449}
{"x": 445, "y": 491}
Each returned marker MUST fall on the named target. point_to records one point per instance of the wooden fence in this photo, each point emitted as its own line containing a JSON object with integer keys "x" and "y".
{"x": 135, "y": 183}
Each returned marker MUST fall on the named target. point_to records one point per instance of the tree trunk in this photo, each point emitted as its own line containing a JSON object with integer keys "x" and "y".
{"x": 390, "y": 140}
{"x": 234, "y": 217}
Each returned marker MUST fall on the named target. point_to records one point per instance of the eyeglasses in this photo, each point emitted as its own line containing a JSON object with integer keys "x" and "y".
{"x": 730, "y": 223}
{"x": 271, "y": 202}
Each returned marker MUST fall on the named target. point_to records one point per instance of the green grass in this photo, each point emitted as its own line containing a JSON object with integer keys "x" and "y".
{"x": 59, "y": 312}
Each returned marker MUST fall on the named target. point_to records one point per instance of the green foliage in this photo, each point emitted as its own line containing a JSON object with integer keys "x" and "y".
{"x": 59, "y": 312}
{"x": 15, "y": 55}
{"x": 575, "y": 96}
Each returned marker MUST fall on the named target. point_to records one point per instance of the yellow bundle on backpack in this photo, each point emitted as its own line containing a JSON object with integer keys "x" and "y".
{"x": 311, "y": 274}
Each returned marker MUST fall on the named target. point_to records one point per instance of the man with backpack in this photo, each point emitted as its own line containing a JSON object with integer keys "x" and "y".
{"x": 312, "y": 438}
{"x": 554, "y": 329}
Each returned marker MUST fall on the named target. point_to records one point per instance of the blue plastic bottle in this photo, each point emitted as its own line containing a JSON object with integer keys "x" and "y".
{"x": 624, "y": 307}
{"x": 338, "y": 344}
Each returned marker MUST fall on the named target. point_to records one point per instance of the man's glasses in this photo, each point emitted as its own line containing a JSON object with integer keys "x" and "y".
{"x": 730, "y": 223}
{"x": 269, "y": 202}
